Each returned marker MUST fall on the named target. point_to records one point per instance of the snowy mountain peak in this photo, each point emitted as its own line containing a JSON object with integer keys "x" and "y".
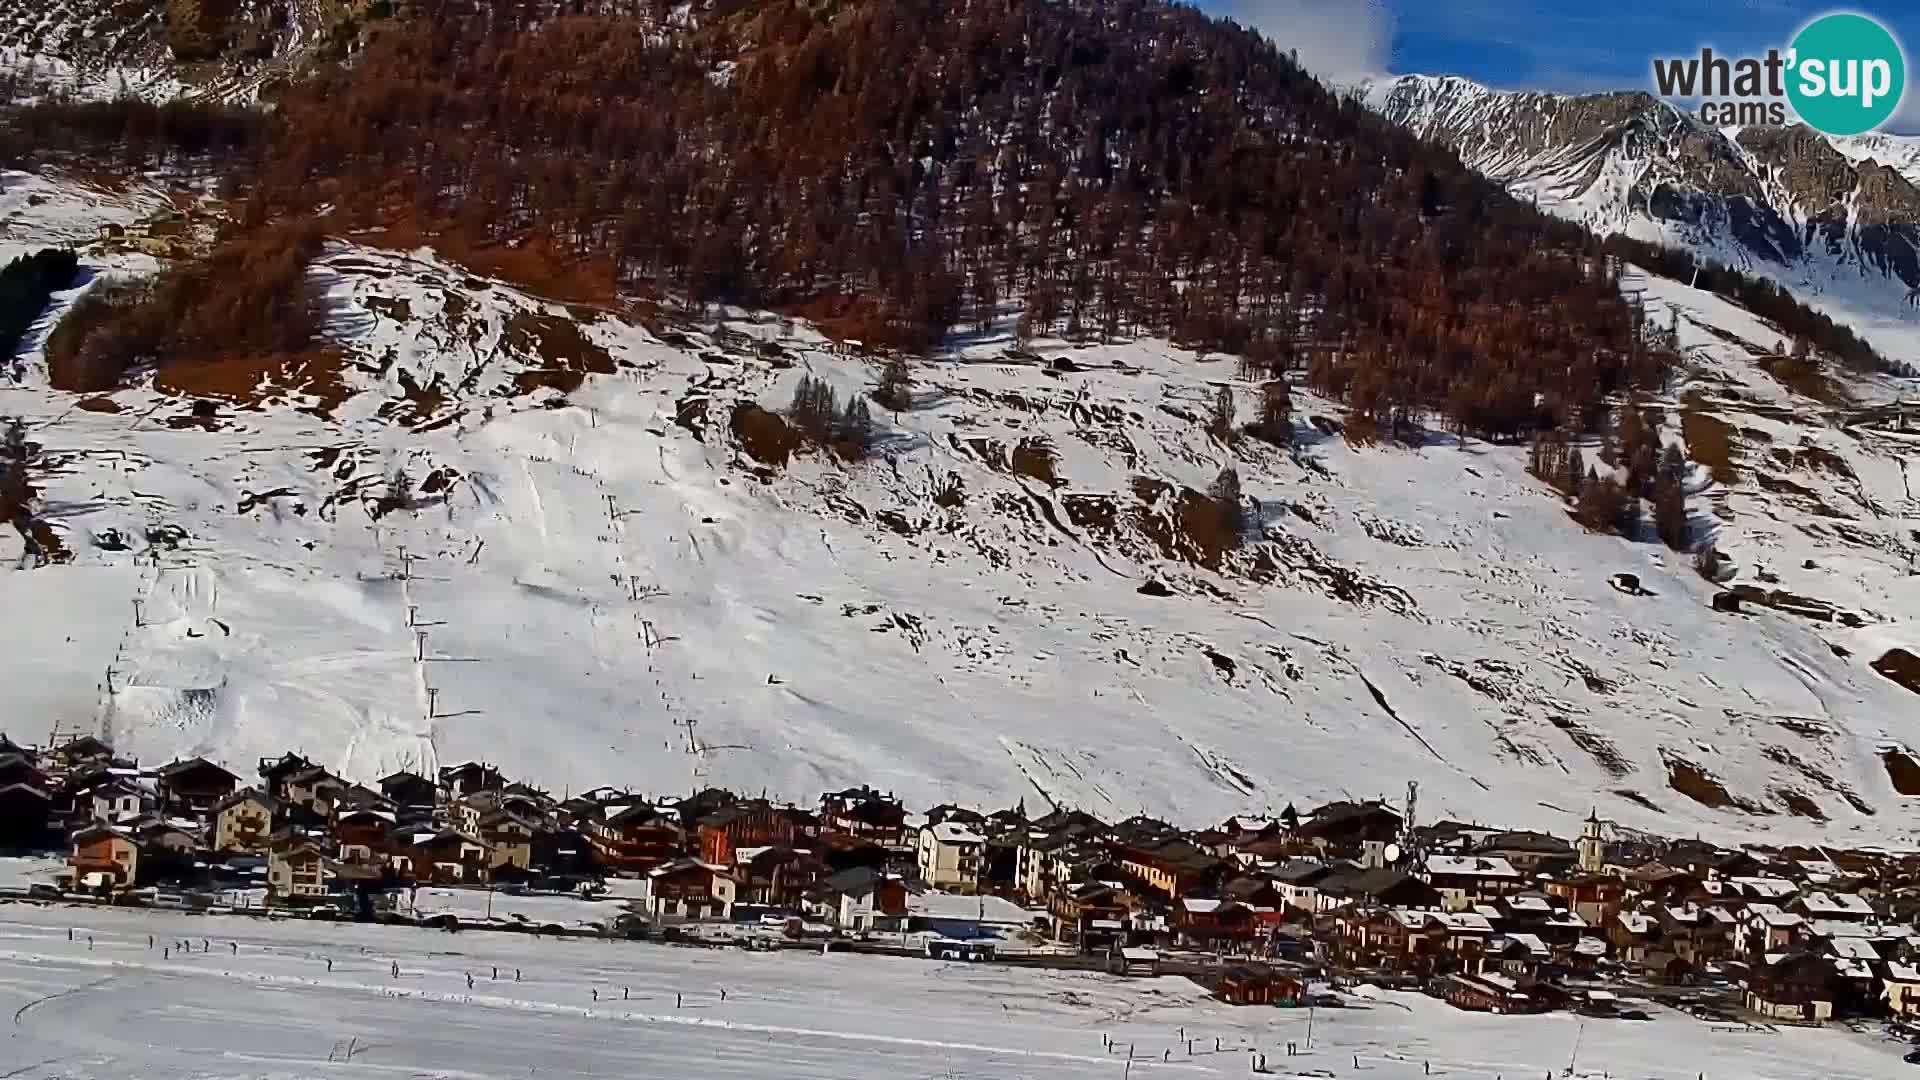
{"x": 1817, "y": 214}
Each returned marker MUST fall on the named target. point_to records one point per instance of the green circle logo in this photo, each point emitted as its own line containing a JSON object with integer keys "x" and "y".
{"x": 1847, "y": 74}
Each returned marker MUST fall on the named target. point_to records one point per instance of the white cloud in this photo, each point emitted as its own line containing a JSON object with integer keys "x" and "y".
{"x": 1341, "y": 41}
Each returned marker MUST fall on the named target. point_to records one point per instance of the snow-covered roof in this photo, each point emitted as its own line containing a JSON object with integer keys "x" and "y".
{"x": 1590, "y": 946}
{"x": 1906, "y": 973}
{"x": 1635, "y": 922}
{"x": 1847, "y": 928}
{"x": 1461, "y": 922}
{"x": 1772, "y": 916}
{"x": 1772, "y": 888}
{"x": 952, "y": 832}
{"x": 1853, "y": 948}
{"x": 1472, "y": 866}
{"x": 1823, "y": 903}
{"x": 1533, "y": 904}
{"x": 957, "y": 908}
{"x": 1531, "y": 941}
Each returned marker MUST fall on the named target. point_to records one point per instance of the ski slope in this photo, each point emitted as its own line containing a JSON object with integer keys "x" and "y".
{"x": 593, "y": 584}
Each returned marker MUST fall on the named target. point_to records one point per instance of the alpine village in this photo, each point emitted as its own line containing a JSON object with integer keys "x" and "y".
{"x": 1262, "y": 911}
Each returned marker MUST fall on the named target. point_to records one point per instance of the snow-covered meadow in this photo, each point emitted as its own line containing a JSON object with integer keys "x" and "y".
{"x": 255, "y": 999}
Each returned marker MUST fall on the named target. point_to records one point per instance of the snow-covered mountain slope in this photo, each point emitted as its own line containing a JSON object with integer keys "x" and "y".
{"x": 1835, "y": 220}
{"x": 590, "y": 581}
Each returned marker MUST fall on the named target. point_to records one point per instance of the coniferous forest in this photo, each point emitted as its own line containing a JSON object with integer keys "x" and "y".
{"x": 910, "y": 168}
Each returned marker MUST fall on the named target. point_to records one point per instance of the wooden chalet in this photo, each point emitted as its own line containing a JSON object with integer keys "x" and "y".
{"x": 26, "y": 813}
{"x": 1528, "y": 851}
{"x": 1213, "y": 923}
{"x": 83, "y": 751}
{"x": 509, "y": 833}
{"x": 688, "y": 889}
{"x": 776, "y": 876}
{"x": 1350, "y": 828}
{"x": 1488, "y": 993}
{"x": 21, "y": 767}
{"x": 1092, "y": 914}
{"x": 1173, "y": 867}
{"x": 193, "y": 787}
{"x": 104, "y": 857}
{"x": 1797, "y": 986}
{"x": 299, "y": 871}
{"x": 1242, "y": 985}
{"x": 444, "y": 857}
{"x": 409, "y": 789}
{"x": 1380, "y": 886}
{"x": 633, "y": 838}
{"x": 364, "y": 836}
{"x": 749, "y": 824}
{"x": 314, "y": 788}
{"x": 859, "y": 898}
{"x": 1467, "y": 880}
{"x": 865, "y": 814}
{"x": 274, "y": 772}
{"x": 471, "y": 778}
{"x": 1596, "y": 898}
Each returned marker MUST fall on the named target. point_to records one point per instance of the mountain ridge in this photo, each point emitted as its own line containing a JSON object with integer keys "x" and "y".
{"x": 1821, "y": 215}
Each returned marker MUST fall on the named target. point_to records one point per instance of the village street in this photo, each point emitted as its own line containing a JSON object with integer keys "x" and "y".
{"x": 257, "y": 999}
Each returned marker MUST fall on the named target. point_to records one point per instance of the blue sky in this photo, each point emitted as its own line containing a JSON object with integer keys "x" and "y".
{"x": 1564, "y": 45}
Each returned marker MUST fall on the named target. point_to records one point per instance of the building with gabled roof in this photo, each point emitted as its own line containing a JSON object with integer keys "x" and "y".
{"x": 688, "y": 889}
{"x": 1797, "y": 985}
{"x": 858, "y": 899}
{"x": 243, "y": 821}
{"x": 950, "y": 856}
{"x": 1466, "y": 880}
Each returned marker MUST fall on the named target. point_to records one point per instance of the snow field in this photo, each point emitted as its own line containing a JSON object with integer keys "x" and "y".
{"x": 106, "y": 1004}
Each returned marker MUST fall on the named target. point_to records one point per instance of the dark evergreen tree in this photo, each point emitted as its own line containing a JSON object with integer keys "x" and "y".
{"x": 1225, "y": 493}
{"x": 1276, "y": 413}
{"x": 895, "y": 392}
{"x": 1220, "y": 421}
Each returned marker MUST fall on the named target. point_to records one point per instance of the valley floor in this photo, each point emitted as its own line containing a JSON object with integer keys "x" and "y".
{"x": 259, "y": 1001}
